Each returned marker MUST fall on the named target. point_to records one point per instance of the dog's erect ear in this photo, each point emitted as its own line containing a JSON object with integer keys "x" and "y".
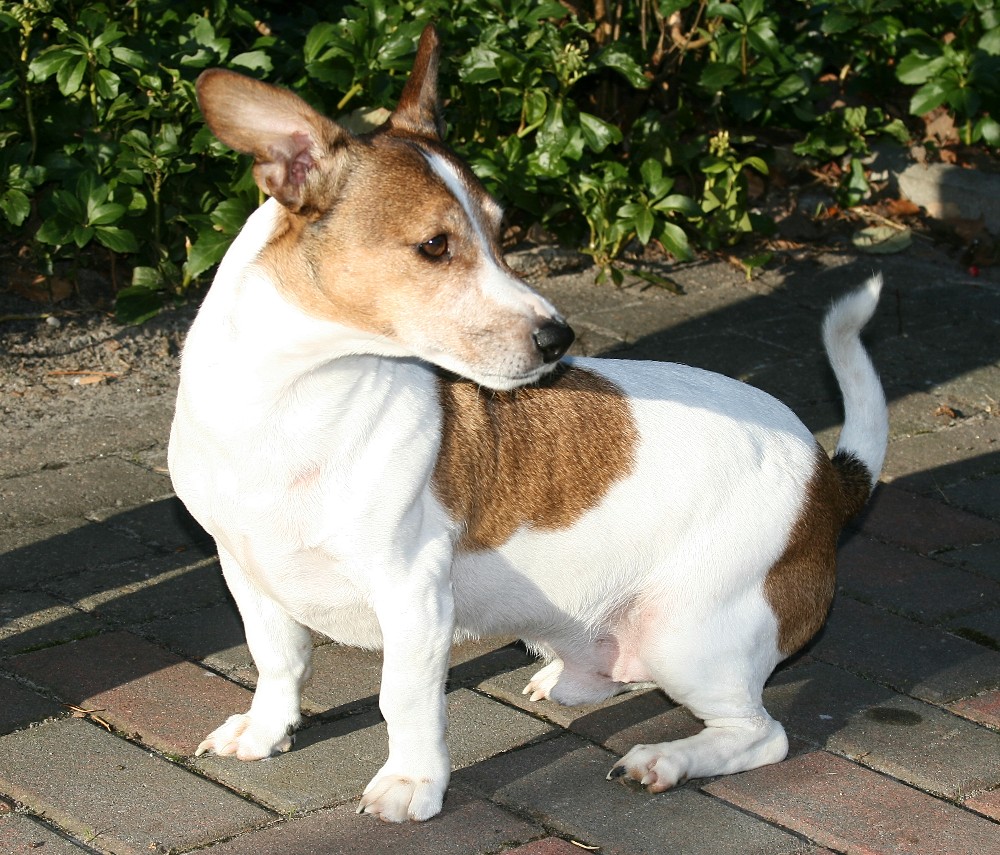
{"x": 418, "y": 111}
{"x": 287, "y": 138}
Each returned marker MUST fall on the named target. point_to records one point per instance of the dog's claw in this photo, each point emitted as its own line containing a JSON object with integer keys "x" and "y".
{"x": 616, "y": 772}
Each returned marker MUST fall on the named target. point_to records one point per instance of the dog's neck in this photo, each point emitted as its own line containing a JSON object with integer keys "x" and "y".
{"x": 261, "y": 357}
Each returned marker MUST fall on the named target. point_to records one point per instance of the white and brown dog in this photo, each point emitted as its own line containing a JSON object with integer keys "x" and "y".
{"x": 375, "y": 424}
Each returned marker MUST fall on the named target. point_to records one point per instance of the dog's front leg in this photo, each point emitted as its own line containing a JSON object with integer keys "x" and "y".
{"x": 281, "y": 649}
{"x": 416, "y": 613}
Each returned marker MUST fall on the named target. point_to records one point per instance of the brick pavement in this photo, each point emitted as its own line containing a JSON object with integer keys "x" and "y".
{"x": 120, "y": 649}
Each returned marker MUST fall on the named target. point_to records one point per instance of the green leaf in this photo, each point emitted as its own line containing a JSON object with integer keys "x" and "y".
{"x": 727, "y": 11}
{"x": 675, "y": 241}
{"x": 618, "y": 59}
{"x": 15, "y": 206}
{"x": 70, "y": 75}
{"x": 644, "y": 223}
{"x": 716, "y": 76}
{"x": 682, "y": 204}
{"x": 49, "y": 61}
{"x": 137, "y": 304}
{"x": 928, "y": 97}
{"x": 107, "y": 83}
{"x": 206, "y": 252}
{"x": 598, "y": 133}
{"x": 990, "y": 42}
{"x": 117, "y": 239}
{"x": 106, "y": 214}
{"x": 254, "y": 60}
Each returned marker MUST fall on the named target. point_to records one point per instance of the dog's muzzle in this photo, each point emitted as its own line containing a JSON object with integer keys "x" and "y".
{"x": 553, "y": 340}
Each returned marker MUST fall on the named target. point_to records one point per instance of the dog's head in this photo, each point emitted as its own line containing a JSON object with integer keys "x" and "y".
{"x": 388, "y": 233}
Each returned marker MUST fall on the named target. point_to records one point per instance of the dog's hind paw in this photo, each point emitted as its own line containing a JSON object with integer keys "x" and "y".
{"x": 395, "y": 798}
{"x": 245, "y": 737}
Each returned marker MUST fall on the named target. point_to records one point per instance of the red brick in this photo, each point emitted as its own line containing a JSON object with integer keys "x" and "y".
{"x": 984, "y": 708}
{"x": 922, "y": 524}
{"x": 138, "y": 688}
{"x": 987, "y": 804}
{"x": 466, "y": 826}
{"x": 852, "y": 809}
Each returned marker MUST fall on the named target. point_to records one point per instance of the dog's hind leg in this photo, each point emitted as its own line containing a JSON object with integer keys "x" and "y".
{"x": 281, "y": 649}
{"x": 718, "y": 672}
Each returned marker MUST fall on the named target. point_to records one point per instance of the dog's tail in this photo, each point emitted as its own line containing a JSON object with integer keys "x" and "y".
{"x": 865, "y": 434}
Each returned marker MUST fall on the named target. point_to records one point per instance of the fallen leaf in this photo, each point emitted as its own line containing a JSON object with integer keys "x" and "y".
{"x": 945, "y": 410}
{"x": 901, "y": 208}
{"x": 38, "y": 288}
{"x": 882, "y": 240}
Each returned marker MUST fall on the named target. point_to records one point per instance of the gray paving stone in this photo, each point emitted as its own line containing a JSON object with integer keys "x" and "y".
{"x": 466, "y": 826}
{"x": 923, "y": 745}
{"x": 142, "y": 590}
{"x": 165, "y": 524}
{"x": 983, "y": 628}
{"x": 86, "y": 435}
{"x": 31, "y": 619}
{"x": 32, "y": 557}
{"x": 21, "y": 835}
{"x": 71, "y": 491}
{"x": 982, "y": 558}
{"x": 562, "y": 783}
{"x": 314, "y": 773}
{"x": 22, "y": 706}
{"x": 102, "y": 789}
{"x": 921, "y": 661}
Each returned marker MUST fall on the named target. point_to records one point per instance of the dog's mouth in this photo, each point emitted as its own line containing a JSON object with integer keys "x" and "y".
{"x": 500, "y": 382}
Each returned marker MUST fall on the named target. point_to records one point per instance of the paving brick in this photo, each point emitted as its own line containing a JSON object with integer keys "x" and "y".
{"x": 22, "y": 835}
{"x": 924, "y": 662}
{"x": 314, "y": 774}
{"x": 212, "y": 635}
{"x": 922, "y": 745}
{"x": 71, "y": 491}
{"x": 852, "y": 809}
{"x": 984, "y": 708}
{"x": 31, "y": 619}
{"x": 894, "y": 578}
{"x": 465, "y": 826}
{"x": 815, "y": 700}
{"x": 548, "y": 846}
{"x": 922, "y": 524}
{"x": 928, "y": 461}
{"x": 32, "y": 557}
{"x": 139, "y": 591}
{"x": 562, "y": 783}
{"x": 21, "y": 706}
{"x": 982, "y": 627}
{"x": 100, "y": 788}
{"x": 165, "y": 524}
{"x": 140, "y": 689}
{"x": 983, "y": 558}
{"x": 987, "y": 804}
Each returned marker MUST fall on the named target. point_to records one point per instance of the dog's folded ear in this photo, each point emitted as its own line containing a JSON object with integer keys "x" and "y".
{"x": 287, "y": 138}
{"x": 419, "y": 111}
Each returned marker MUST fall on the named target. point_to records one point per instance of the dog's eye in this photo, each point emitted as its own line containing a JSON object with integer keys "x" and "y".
{"x": 436, "y": 247}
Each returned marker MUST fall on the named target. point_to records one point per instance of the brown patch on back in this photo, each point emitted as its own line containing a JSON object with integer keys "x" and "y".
{"x": 800, "y": 586}
{"x": 537, "y": 456}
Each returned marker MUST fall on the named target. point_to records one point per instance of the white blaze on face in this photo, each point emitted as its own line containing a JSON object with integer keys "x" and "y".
{"x": 484, "y": 214}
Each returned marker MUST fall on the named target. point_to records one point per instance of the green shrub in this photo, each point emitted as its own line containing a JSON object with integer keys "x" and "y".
{"x": 608, "y": 132}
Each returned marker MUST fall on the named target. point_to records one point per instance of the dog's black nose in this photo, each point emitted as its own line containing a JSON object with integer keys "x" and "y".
{"x": 553, "y": 339}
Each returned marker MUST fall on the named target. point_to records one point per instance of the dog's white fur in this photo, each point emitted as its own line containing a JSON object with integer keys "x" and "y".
{"x": 307, "y": 437}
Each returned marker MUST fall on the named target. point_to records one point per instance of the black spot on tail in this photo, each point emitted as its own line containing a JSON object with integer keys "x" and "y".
{"x": 855, "y": 483}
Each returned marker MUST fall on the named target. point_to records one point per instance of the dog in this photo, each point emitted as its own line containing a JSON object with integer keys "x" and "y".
{"x": 376, "y": 423}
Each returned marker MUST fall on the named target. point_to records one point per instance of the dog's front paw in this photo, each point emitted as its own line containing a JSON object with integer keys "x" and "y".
{"x": 541, "y": 685}
{"x": 396, "y": 798}
{"x": 247, "y": 738}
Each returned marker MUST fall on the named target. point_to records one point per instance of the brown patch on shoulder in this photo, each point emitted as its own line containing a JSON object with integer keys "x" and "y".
{"x": 800, "y": 586}
{"x": 540, "y": 456}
